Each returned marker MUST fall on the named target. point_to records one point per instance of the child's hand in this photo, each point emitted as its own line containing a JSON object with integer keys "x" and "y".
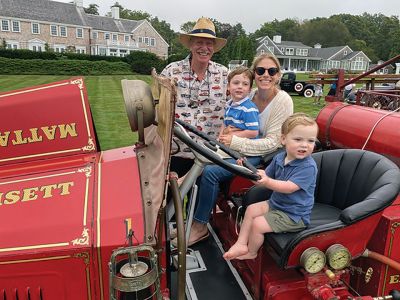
{"x": 263, "y": 178}
{"x": 240, "y": 161}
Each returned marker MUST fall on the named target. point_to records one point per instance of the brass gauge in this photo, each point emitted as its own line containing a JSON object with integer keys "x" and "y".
{"x": 338, "y": 256}
{"x": 312, "y": 260}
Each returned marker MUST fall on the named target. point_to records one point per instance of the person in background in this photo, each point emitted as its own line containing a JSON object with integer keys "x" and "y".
{"x": 292, "y": 177}
{"x": 319, "y": 91}
{"x": 274, "y": 106}
{"x": 201, "y": 88}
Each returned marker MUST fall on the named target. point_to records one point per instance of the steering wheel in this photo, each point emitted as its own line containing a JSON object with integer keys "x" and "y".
{"x": 209, "y": 148}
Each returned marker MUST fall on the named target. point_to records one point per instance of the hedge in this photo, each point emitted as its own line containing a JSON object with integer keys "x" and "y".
{"x": 29, "y": 54}
{"x": 62, "y": 67}
{"x": 142, "y": 62}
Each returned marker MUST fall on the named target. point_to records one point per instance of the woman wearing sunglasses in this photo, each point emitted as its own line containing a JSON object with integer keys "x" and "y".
{"x": 275, "y": 106}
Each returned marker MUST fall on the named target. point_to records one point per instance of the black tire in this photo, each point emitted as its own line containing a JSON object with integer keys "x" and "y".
{"x": 308, "y": 92}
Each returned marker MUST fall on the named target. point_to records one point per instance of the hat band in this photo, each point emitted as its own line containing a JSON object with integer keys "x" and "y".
{"x": 203, "y": 31}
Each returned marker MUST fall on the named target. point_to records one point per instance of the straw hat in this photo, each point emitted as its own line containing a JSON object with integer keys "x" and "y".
{"x": 205, "y": 28}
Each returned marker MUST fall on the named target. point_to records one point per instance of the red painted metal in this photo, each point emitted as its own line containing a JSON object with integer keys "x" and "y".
{"x": 35, "y": 124}
{"x": 351, "y": 126}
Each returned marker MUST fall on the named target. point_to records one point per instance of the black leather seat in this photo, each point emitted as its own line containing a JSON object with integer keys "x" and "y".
{"x": 352, "y": 185}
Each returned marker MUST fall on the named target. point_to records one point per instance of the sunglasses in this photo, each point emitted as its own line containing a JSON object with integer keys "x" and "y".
{"x": 271, "y": 71}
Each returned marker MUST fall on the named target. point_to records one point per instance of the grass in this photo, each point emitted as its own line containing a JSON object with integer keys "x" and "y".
{"x": 107, "y": 104}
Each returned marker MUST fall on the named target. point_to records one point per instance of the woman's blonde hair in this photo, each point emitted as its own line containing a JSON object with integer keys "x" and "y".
{"x": 295, "y": 120}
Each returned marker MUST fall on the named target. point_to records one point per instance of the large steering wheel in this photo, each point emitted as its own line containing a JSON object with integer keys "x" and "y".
{"x": 208, "y": 150}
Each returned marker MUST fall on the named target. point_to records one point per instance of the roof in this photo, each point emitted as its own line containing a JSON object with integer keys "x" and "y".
{"x": 111, "y": 24}
{"x": 43, "y": 10}
{"x": 63, "y": 13}
{"x": 292, "y": 44}
{"x": 325, "y": 53}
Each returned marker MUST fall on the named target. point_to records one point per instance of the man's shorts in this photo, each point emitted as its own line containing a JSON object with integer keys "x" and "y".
{"x": 281, "y": 222}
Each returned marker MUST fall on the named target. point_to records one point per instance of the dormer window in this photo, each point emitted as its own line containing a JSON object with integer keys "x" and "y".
{"x": 345, "y": 52}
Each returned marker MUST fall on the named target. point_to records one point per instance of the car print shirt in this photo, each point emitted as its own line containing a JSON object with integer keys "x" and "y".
{"x": 200, "y": 103}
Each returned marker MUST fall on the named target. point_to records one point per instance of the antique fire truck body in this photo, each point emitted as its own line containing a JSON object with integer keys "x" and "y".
{"x": 79, "y": 223}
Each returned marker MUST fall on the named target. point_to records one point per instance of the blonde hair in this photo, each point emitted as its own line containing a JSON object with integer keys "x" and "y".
{"x": 295, "y": 120}
{"x": 241, "y": 70}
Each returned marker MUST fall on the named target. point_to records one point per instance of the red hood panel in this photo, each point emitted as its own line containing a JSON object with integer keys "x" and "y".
{"x": 45, "y": 121}
{"x": 47, "y": 210}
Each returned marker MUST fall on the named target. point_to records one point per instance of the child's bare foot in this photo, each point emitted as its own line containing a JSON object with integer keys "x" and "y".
{"x": 235, "y": 251}
{"x": 248, "y": 255}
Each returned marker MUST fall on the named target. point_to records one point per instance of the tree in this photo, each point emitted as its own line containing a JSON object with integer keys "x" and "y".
{"x": 92, "y": 9}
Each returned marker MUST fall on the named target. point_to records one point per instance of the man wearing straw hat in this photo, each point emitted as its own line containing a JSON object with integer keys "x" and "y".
{"x": 201, "y": 90}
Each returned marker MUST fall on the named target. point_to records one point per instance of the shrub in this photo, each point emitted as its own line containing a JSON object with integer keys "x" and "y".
{"x": 143, "y": 62}
{"x": 62, "y": 67}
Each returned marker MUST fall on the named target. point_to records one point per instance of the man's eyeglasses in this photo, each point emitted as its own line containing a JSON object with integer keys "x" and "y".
{"x": 271, "y": 71}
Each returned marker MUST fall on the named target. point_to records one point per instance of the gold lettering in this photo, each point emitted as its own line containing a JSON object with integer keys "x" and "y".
{"x": 65, "y": 187}
{"x": 34, "y": 136}
{"x": 12, "y": 197}
{"x": 394, "y": 279}
{"x": 4, "y": 139}
{"x": 1, "y": 198}
{"x": 66, "y": 129}
{"x": 50, "y": 133}
{"x": 30, "y": 194}
{"x": 18, "y": 138}
{"x": 47, "y": 189}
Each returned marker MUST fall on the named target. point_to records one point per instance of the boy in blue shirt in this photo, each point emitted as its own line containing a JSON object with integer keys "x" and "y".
{"x": 241, "y": 114}
{"x": 292, "y": 177}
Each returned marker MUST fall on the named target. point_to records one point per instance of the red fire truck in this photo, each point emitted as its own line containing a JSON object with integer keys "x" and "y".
{"x": 79, "y": 223}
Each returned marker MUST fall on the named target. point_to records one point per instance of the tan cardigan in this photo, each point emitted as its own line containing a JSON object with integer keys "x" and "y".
{"x": 281, "y": 108}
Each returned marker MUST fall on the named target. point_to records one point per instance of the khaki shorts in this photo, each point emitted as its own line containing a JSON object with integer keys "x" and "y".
{"x": 281, "y": 222}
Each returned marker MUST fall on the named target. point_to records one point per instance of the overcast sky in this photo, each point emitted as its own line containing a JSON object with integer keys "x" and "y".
{"x": 250, "y": 13}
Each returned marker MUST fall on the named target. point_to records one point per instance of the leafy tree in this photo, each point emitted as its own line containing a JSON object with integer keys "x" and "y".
{"x": 93, "y": 9}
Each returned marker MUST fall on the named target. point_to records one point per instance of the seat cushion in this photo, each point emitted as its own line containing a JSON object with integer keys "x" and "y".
{"x": 323, "y": 217}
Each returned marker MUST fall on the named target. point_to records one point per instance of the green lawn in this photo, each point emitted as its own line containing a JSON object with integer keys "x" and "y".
{"x": 107, "y": 105}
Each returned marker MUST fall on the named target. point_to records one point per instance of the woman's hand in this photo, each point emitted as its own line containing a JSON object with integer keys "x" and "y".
{"x": 225, "y": 139}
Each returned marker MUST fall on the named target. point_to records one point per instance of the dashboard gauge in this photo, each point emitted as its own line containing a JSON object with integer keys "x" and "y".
{"x": 338, "y": 256}
{"x": 313, "y": 260}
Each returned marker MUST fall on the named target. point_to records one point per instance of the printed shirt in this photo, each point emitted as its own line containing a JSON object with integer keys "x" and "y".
{"x": 303, "y": 173}
{"x": 199, "y": 103}
{"x": 242, "y": 114}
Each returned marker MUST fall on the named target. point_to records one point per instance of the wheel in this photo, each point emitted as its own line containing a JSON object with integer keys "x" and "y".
{"x": 298, "y": 87}
{"x": 308, "y": 92}
{"x": 208, "y": 150}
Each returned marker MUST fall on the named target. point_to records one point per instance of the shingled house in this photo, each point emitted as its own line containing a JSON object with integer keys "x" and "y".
{"x": 297, "y": 56}
{"x": 63, "y": 26}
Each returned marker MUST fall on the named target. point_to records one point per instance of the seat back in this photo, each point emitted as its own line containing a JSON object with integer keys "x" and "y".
{"x": 357, "y": 182}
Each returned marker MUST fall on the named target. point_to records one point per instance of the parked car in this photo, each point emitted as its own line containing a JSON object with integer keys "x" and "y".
{"x": 291, "y": 85}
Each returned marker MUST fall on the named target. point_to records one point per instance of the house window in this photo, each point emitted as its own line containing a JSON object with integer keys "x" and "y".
{"x": 102, "y": 51}
{"x": 12, "y": 45}
{"x": 270, "y": 49}
{"x": 53, "y": 30}
{"x": 79, "y": 33}
{"x": 301, "y": 52}
{"x": 35, "y": 28}
{"x": 16, "y": 26}
{"x": 107, "y": 36}
{"x": 5, "y": 25}
{"x": 37, "y": 48}
{"x": 146, "y": 41}
{"x": 63, "y": 31}
{"x": 115, "y": 37}
{"x": 152, "y": 42}
{"x": 94, "y": 35}
{"x": 289, "y": 51}
{"x": 140, "y": 39}
{"x": 123, "y": 52}
{"x": 81, "y": 50}
{"x": 113, "y": 52}
{"x": 126, "y": 38}
{"x": 59, "y": 48}
{"x": 345, "y": 52}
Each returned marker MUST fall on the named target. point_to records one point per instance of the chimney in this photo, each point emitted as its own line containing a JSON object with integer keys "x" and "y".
{"x": 317, "y": 46}
{"x": 277, "y": 39}
{"x": 78, "y": 3}
{"x": 115, "y": 12}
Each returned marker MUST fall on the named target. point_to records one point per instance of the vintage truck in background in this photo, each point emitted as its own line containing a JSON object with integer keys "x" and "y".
{"x": 79, "y": 223}
{"x": 291, "y": 85}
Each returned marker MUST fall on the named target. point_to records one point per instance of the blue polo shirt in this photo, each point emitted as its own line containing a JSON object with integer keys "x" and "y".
{"x": 242, "y": 114}
{"x": 302, "y": 172}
